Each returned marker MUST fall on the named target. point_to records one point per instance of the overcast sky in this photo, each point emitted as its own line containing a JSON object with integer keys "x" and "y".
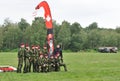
{"x": 105, "y": 12}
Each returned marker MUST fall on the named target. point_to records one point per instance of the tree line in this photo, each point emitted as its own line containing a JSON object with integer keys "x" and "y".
{"x": 72, "y": 36}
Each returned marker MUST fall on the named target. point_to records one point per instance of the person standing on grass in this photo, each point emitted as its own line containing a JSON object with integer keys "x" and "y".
{"x": 27, "y": 59}
{"x": 34, "y": 60}
{"x": 59, "y": 57}
{"x": 20, "y": 57}
{"x": 58, "y": 52}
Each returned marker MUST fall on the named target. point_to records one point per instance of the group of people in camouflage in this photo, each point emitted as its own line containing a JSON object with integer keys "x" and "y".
{"x": 39, "y": 59}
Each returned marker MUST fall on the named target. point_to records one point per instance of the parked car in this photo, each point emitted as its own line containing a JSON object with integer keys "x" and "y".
{"x": 108, "y": 49}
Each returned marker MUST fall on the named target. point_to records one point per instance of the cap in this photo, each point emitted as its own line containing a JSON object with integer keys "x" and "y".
{"x": 26, "y": 45}
{"x": 37, "y": 47}
{"x": 41, "y": 55}
{"x": 45, "y": 45}
{"x": 45, "y": 55}
{"x": 32, "y": 46}
{"x": 22, "y": 45}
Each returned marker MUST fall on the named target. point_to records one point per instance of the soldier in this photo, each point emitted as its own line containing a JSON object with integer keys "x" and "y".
{"x": 20, "y": 57}
{"x": 45, "y": 51}
{"x": 58, "y": 51}
{"x": 31, "y": 58}
{"x": 46, "y": 66}
{"x": 34, "y": 58}
{"x": 40, "y": 62}
{"x": 27, "y": 59}
{"x": 37, "y": 49}
{"x": 51, "y": 63}
{"x": 57, "y": 63}
{"x": 64, "y": 65}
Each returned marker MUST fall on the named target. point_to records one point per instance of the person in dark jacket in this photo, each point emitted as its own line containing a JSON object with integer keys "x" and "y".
{"x": 58, "y": 52}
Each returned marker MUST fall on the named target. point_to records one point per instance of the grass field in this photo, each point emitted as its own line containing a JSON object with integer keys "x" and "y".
{"x": 81, "y": 67}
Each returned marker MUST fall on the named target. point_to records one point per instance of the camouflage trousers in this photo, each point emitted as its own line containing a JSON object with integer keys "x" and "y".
{"x": 64, "y": 65}
{"x": 27, "y": 65}
{"x": 20, "y": 64}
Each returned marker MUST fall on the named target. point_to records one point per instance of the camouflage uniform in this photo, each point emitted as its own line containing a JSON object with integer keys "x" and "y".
{"x": 40, "y": 63}
{"x": 34, "y": 60}
{"x": 45, "y": 51}
{"x": 27, "y": 61}
{"x": 62, "y": 64}
{"x": 57, "y": 63}
{"x": 30, "y": 60}
{"x": 46, "y": 65}
{"x": 20, "y": 59}
{"x": 51, "y": 63}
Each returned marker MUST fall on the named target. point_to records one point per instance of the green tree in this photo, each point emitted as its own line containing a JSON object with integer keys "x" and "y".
{"x": 94, "y": 25}
{"x": 75, "y": 42}
{"x": 7, "y": 23}
{"x": 12, "y": 37}
{"x": 78, "y": 41}
{"x": 94, "y": 39}
{"x": 75, "y": 28}
{"x": 56, "y": 29}
{"x": 72, "y": 37}
{"x": 118, "y": 40}
{"x": 118, "y": 29}
{"x": 23, "y": 24}
{"x": 36, "y": 34}
{"x": 64, "y": 35}
{"x": 1, "y": 37}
